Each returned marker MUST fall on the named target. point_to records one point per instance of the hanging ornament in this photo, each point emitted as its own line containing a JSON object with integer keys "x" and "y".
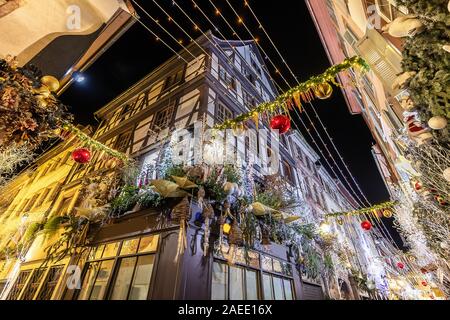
{"x": 387, "y": 213}
{"x": 340, "y": 221}
{"x": 265, "y": 237}
{"x": 51, "y": 83}
{"x": 281, "y": 123}
{"x": 208, "y": 214}
{"x": 441, "y": 200}
{"x": 81, "y": 155}
{"x": 323, "y": 91}
{"x": 226, "y": 228}
{"x": 230, "y": 188}
{"x": 447, "y": 174}
{"x": 424, "y": 283}
{"x": 181, "y": 214}
{"x": 437, "y": 123}
{"x": 239, "y": 130}
{"x": 418, "y": 186}
{"x": 400, "y": 265}
{"x": 236, "y": 236}
{"x": 366, "y": 225}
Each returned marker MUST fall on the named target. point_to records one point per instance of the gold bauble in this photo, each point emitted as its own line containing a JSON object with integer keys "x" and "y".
{"x": 340, "y": 221}
{"x": 226, "y": 228}
{"x": 51, "y": 83}
{"x": 239, "y": 130}
{"x": 323, "y": 91}
{"x": 43, "y": 91}
{"x": 437, "y": 123}
{"x": 387, "y": 213}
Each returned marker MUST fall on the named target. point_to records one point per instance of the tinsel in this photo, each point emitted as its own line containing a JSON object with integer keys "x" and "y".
{"x": 302, "y": 92}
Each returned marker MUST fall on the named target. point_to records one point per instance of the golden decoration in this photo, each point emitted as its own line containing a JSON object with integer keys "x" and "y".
{"x": 51, "y": 83}
{"x": 236, "y": 236}
{"x": 168, "y": 189}
{"x": 388, "y": 213}
{"x": 184, "y": 183}
{"x": 323, "y": 91}
{"x": 226, "y": 228}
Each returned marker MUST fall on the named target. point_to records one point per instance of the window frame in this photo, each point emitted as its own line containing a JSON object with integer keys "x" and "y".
{"x": 260, "y": 272}
{"x": 117, "y": 259}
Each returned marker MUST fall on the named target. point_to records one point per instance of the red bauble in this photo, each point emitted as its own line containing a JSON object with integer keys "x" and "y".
{"x": 418, "y": 186}
{"x": 81, "y": 155}
{"x": 366, "y": 225}
{"x": 400, "y": 265}
{"x": 281, "y": 123}
{"x": 424, "y": 283}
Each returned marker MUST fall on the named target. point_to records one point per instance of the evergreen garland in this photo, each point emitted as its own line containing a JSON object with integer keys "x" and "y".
{"x": 424, "y": 54}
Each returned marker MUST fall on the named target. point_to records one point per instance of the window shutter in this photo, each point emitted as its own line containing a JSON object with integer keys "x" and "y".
{"x": 383, "y": 59}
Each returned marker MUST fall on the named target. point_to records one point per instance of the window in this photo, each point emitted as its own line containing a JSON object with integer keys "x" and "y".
{"x": 257, "y": 277}
{"x": 33, "y": 284}
{"x": 277, "y": 288}
{"x": 163, "y": 118}
{"x": 123, "y": 141}
{"x": 19, "y": 284}
{"x": 388, "y": 10}
{"x": 173, "y": 80}
{"x": 287, "y": 172}
{"x": 120, "y": 270}
{"x": 50, "y": 283}
{"x": 64, "y": 206}
{"x": 249, "y": 101}
{"x": 233, "y": 283}
{"x": 230, "y": 82}
{"x": 42, "y": 198}
{"x": 223, "y": 113}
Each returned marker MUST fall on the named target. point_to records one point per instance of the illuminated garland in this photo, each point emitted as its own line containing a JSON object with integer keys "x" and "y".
{"x": 94, "y": 144}
{"x": 302, "y": 92}
{"x": 371, "y": 210}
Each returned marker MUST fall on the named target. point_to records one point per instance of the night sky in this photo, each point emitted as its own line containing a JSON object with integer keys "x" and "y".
{"x": 289, "y": 24}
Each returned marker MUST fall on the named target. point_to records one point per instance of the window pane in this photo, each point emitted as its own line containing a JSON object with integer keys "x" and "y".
{"x": 142, "y": 278}
{"x": 18, "y": 286}
{"x": 111, "y": 250}
{"x": 219, "y": 282}
{"x": 277, "y": 266}
{"x": 123, "y": 279}
{"x": 148, "y": 244}
{"x": 278, "y": 288}
{"x": 236, "y": 283}
{"x": 99, "y": 252}
{"x": 88, "y": 281}
{"x": 251, "y": 281}
{"x": 288, "y": 289}
{"x": 99, "y": 289}
{"x": 253, "y": 259}
{"x": 267, "y": 263}
{"x": 267, "y": 283}
{"x": 129, "y": 247}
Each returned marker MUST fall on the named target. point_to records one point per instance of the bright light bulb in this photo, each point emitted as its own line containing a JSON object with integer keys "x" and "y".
{"x": 325, "y": 228}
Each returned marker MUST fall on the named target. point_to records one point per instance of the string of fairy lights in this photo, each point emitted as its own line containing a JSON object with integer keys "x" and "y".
{"x": 379, "y": 222}
{"x": 171, "y": 19}
{"x": 241, "y": 21}
{"x": 247, "y": 4}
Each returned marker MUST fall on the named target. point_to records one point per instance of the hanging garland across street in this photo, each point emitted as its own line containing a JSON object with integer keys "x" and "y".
{"x": 379, "y": 207}
{"x": 30, "y": 114}
{"x": 317, "y": 86}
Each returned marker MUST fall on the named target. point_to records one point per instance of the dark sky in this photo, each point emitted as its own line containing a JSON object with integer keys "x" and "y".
{"x": 289, "y": 24}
